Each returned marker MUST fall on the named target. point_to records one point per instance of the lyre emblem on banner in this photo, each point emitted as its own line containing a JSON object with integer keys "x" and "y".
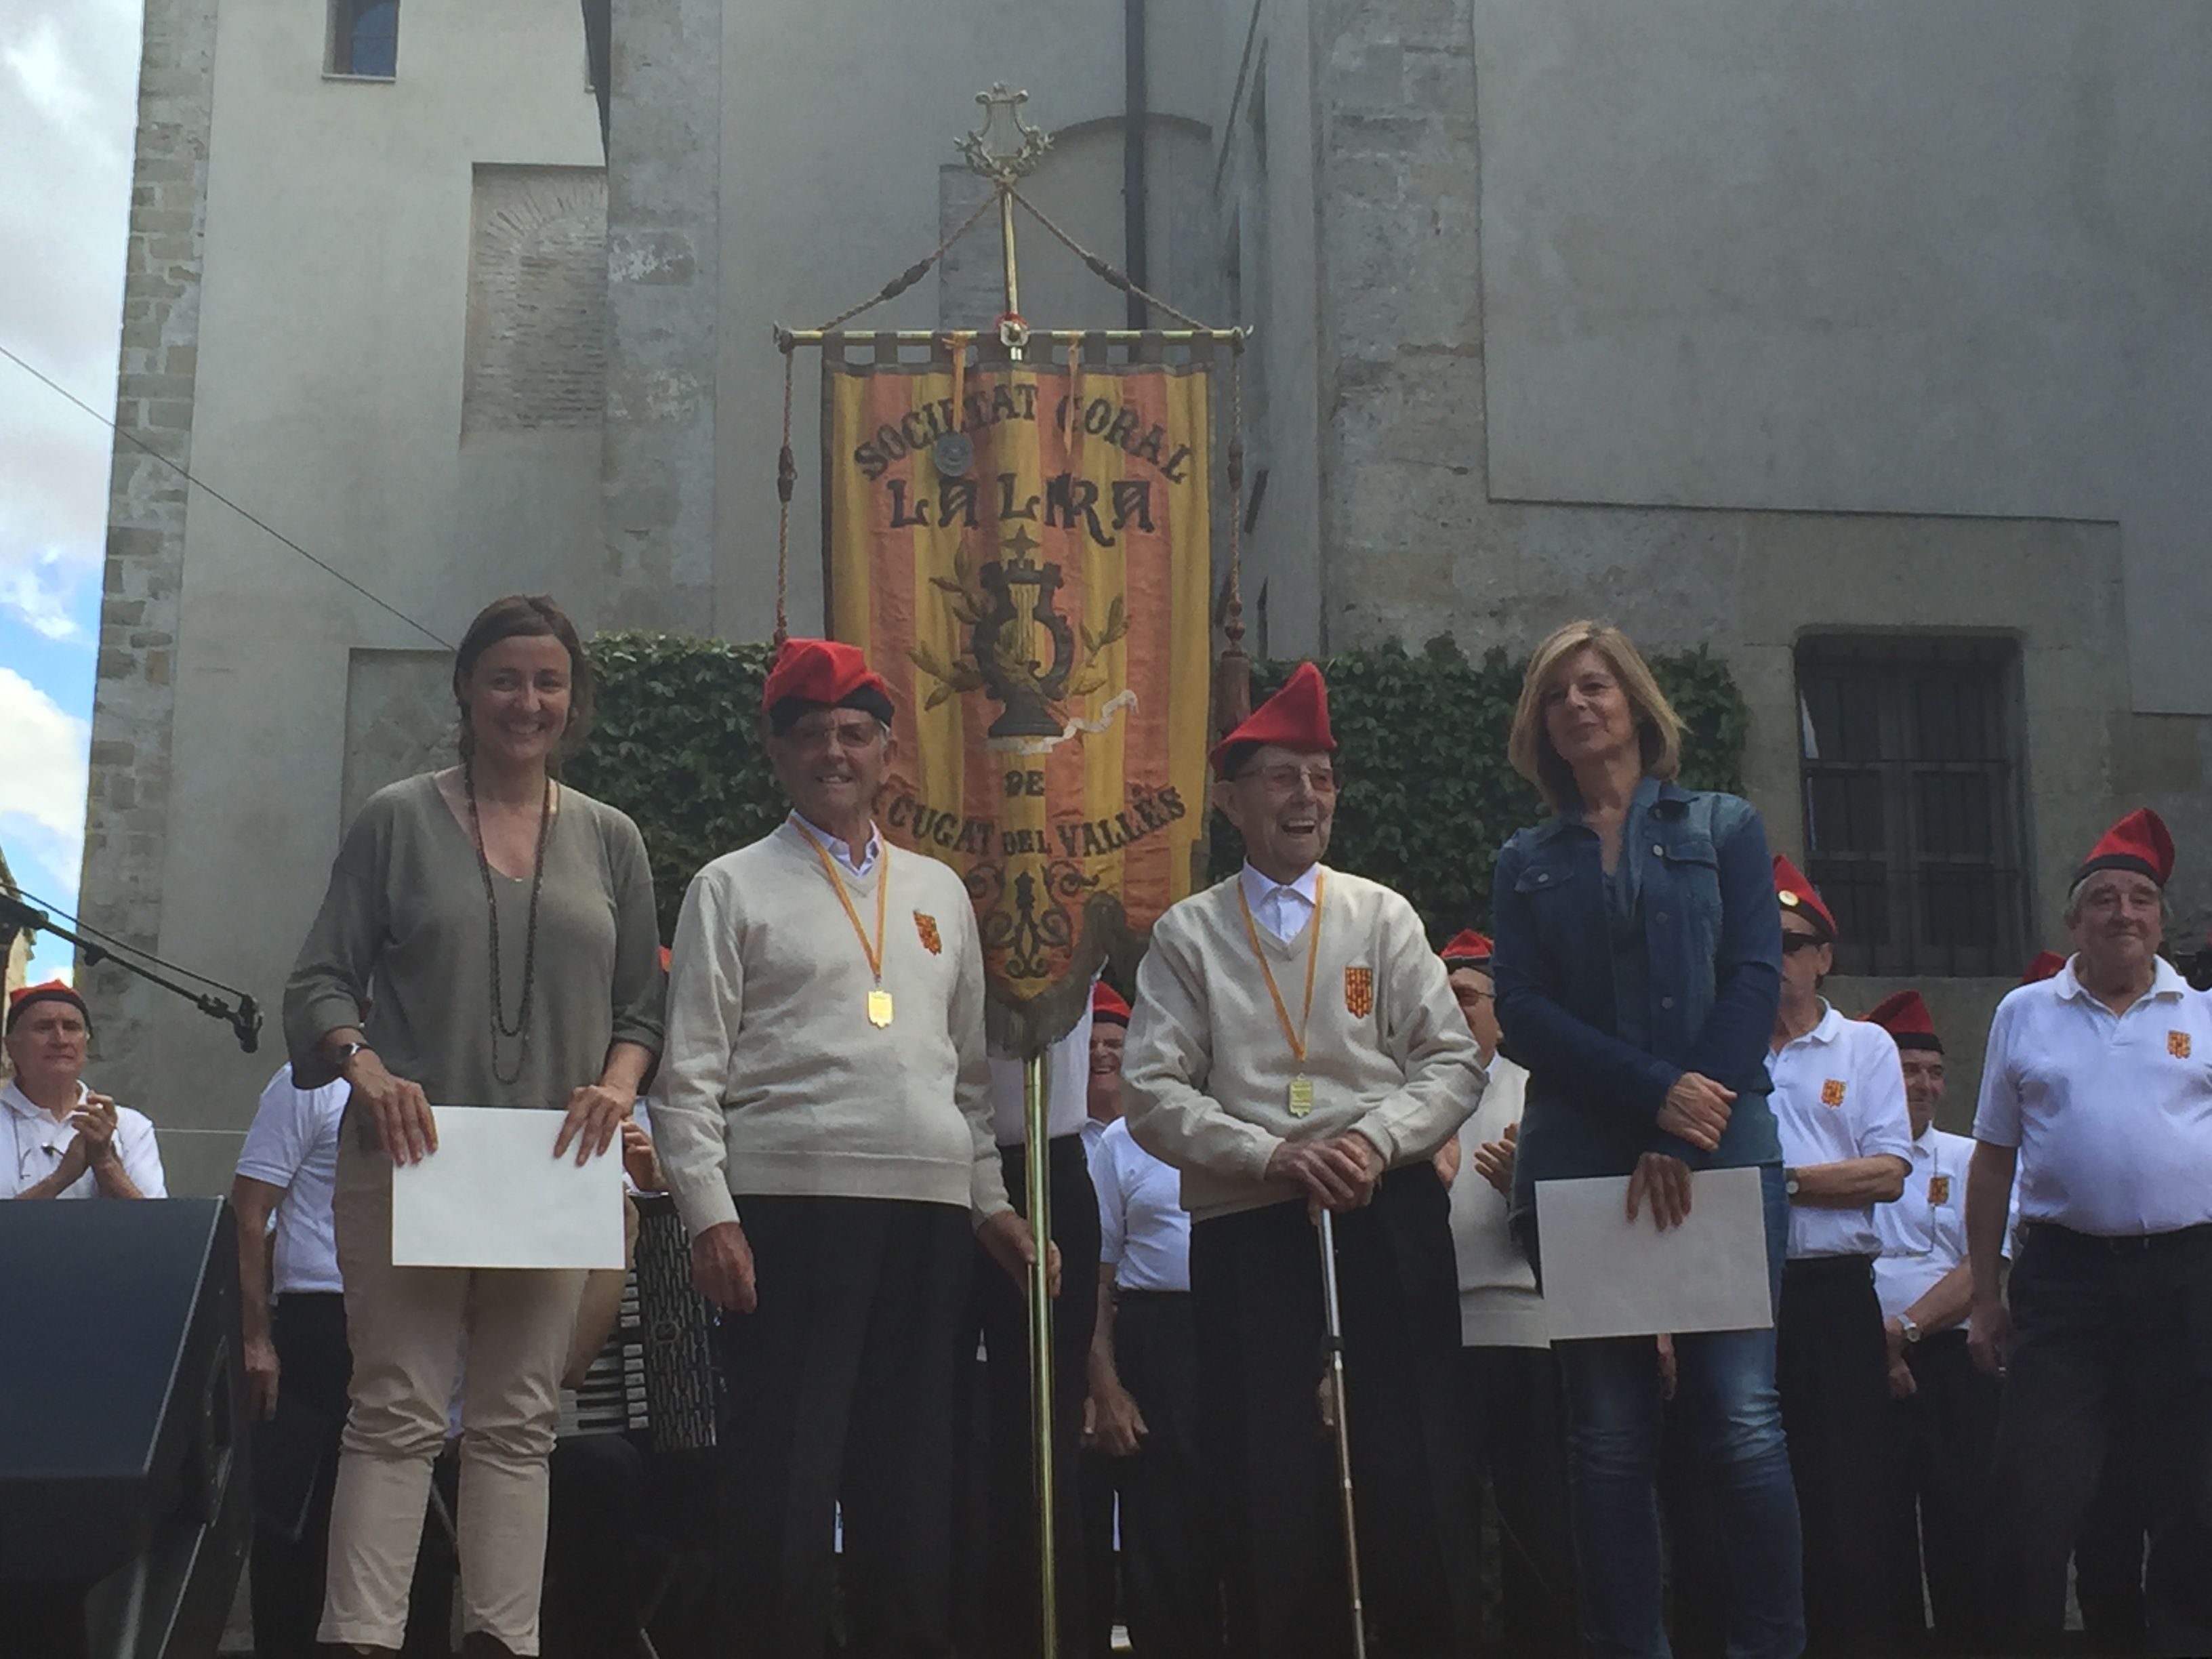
{"x": 1359, "y": 992}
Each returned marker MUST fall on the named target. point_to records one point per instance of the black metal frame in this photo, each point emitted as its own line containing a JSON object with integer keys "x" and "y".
{"x": 1915, "y": 820}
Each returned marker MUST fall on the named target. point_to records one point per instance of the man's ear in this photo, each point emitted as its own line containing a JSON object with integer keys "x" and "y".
{"x": 1226, "y": 802}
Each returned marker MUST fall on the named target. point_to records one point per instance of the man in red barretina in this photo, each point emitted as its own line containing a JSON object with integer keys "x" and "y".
{"x": 1296, "y": 1048}
{"x": 2097, "y": 1088}
{"x": 823, "y": 1112}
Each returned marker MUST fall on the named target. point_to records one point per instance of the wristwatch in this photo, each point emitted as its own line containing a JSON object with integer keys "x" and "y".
{"x": 1911, "y": 1331}
{"x": 345, "y": 1052}
{"x": 1789, "y": 1181}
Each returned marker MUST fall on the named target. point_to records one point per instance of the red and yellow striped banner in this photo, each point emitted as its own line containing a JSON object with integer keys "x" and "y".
{"x": 1039, "y": 604}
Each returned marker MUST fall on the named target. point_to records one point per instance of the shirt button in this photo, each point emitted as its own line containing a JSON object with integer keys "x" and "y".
{"x": 1666, "y": 1002}
{"x": 1543, "y": 876}
{"x": 1662, "y": 917}
{"x": 1657, "y": 851}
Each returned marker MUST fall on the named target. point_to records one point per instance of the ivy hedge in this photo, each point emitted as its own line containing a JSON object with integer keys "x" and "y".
{"x": 1428, "y": 795}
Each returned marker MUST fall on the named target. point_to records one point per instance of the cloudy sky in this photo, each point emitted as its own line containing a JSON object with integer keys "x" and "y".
{"x": 69, "y": 73}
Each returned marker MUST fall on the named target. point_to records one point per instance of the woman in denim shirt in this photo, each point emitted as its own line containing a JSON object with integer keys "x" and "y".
{"x": 1639, "y": 962}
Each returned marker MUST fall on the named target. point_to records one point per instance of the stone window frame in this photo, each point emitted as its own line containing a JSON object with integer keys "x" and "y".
{"x": 344, "y": 18}
{"x": 1912, "y": 758}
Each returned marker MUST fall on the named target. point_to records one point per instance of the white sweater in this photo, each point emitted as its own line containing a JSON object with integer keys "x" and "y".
{"x": 1206, "y": 1075}
{"x": 772, "y": 1080}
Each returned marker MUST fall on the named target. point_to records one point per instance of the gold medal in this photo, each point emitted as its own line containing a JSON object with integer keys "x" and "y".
{"x": 879, "y": 999}
{"x": 1301, "y": 1089}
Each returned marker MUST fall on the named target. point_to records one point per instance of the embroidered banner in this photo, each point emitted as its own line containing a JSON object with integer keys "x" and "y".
{"x": 1026, "y": 557}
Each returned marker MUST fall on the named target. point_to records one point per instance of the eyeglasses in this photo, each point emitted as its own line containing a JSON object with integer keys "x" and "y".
{"x": 1283, "y": 780}
{"x": 846, "y": 734}
{"x": 1793, "y": 942}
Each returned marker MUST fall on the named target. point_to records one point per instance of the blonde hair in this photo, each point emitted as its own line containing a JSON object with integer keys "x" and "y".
{"x": 1658, "y": 727}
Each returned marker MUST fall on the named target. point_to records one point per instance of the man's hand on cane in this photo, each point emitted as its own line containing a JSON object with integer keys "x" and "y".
{"x": 1008, "y": 1236}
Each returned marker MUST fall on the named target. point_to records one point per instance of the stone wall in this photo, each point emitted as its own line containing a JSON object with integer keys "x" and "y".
{"x": 537, "y": 298}
{"x": 134, "y": 700}
{"x": 663, "y": 293}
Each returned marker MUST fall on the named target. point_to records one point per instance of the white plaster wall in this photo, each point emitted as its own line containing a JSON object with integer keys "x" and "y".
{"x": 329, "y": 385}
{"x": 836, "y": 117}
{"x": 1881, "y": 257}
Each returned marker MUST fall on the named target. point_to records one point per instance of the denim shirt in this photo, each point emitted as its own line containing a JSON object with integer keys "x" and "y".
{"x": 1605, "y": 1028}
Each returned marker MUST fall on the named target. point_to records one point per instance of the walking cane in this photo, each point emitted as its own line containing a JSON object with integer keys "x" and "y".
{"x": 1334, "y": 1321}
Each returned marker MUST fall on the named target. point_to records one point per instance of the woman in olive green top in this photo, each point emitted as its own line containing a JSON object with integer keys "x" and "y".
{"x": 508, "y": 925}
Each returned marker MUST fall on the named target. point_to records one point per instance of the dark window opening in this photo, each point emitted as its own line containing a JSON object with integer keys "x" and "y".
{"x": 365, "y": 38}
{"x": 1912, "y": 801}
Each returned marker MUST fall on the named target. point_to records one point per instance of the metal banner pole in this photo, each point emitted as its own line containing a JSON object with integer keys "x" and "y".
{"x": 1040, "y": 1211}
{"x": 1334, "y": 1319}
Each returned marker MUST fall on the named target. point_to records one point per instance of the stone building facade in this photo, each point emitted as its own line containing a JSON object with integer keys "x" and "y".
{"x": 1866, "y": 345}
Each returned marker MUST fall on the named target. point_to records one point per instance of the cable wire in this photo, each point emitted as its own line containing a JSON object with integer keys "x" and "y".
{"x": 261, "y": 523}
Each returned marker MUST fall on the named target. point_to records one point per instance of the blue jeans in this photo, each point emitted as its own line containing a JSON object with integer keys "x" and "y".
{"x": 1615, "y": 1416}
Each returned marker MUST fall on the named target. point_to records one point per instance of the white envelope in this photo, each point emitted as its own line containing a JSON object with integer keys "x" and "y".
{"x": 1605, "y": 1275}
{"x": 493, "y": 1195}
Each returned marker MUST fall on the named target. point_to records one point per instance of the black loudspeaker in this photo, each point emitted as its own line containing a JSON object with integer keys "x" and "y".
{"x": 125, "y": 1508}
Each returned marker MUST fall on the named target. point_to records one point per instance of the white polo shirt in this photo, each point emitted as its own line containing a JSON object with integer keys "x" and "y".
{"x": 1498, "y": 1303}
{"x": 293, "y": 1144}
{"x": 36, "y": 1144}
{"x": 1923, "y": 1234}
{"x": 1144, "y": 1231}
{"x": 2111, "y": 1113}
{"x": 1067, "y": 1089}
{"x": 1839, "y": 1094}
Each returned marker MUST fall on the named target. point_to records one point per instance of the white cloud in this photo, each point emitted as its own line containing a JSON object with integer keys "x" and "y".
{"x": 44, "y": 750}
{"x": 68, "y": 74}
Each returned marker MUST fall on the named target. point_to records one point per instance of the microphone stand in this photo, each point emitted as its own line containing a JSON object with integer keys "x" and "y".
{"x": 244, "y": 1018}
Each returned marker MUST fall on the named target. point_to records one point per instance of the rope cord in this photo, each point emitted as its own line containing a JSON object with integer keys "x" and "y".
{"x": 1103, "y": 271}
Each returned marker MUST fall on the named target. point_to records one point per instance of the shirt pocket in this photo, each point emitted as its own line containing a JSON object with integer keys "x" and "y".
{"x": 1688, "y": 895}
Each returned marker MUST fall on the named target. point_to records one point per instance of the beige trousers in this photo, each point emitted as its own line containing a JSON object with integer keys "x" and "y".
{"x": 410, "y": 1329}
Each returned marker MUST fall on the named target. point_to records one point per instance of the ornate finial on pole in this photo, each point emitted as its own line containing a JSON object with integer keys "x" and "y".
{"x": 1004, "y": 148}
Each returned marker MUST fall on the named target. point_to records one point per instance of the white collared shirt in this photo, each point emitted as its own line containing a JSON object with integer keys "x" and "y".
{"x": 835, "y": 846}
{"x": 1282, "y": 909}
{"x": 36, "y": 1144}
{"x": 1144, "y": 1231}
{"x": 1839, "y": 1094}
{"x": 2111, "y": 1113}
{"x": 1067, "y": 1088}
{"x": 1923, "y": 1234}
{"x": 293, "y": 1144}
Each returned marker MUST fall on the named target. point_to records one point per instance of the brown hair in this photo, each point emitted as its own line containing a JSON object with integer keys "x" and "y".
{"x": 527, "y": 616}
{"x": 1659, "y": 729}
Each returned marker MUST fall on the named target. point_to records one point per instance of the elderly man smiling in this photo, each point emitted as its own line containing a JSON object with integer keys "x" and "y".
{"x": 2097, "y": 1083}
{"x": 1296, "y": 1047}
{"x": 67, "y": 1140}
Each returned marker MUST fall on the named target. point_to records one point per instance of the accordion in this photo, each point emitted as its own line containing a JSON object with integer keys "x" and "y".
{"x": 656, "y": 1375}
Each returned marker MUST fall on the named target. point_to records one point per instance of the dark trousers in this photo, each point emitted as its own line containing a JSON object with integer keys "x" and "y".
{"x": 1517, "y": 1433}
{"x": 286, "y": 1578}
{"x": 1169, "y": 1561}
{"x": 594, "y": 1555}
{"x": 1944, "y": 1463}
{"x": 1008, "y": 1614}
{"x": 841, "y": 1388}
{"x": 2111, "y": 1362}
{"x": 1098, "y": 1481}
{"x": 1831, "y": 1371}
{"x": 1256, "y": 1295}
{"x": 2108, "y": 1567}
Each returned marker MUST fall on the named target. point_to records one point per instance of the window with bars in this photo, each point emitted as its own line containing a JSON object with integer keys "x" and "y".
{"x": 1912, "y": 800}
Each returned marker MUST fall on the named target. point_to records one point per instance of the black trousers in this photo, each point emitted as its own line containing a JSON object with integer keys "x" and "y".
{"x": 2110, "y": 1363}
{"x": 1098, "y": 1482}
{"x": 287, "y": 1575}
{"x": 1008, "y": 1614}
{"x": 841, "y": 1388}
{"x": 1517, "y": 1435}
{"x": 1943, "y": 1471}
{"x": 1169, "y": 1561}
{"x": 593, "y": 1552}
{"x": 1256, "y": 1295}
{"x": 1831, "y": 1371}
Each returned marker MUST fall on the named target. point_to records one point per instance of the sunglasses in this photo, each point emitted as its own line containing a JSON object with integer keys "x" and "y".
{"x": 1793, "y": 942}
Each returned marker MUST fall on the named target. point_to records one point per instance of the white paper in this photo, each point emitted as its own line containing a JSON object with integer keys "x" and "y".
{"x": 1605, "y": 1275}
{"x": 493, "y": 1195}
